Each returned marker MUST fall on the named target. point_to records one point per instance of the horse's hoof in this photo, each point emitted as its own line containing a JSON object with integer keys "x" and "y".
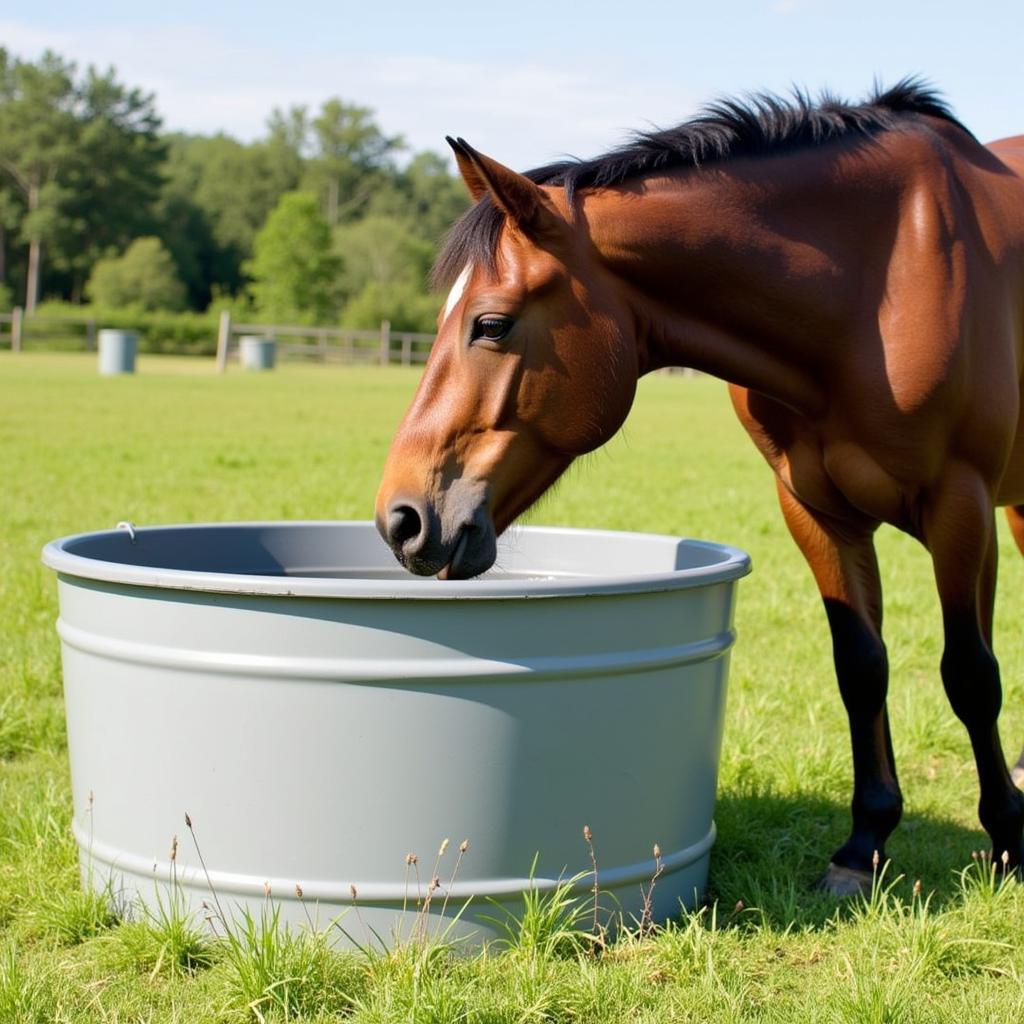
{"x": 840, "y": 881}
{"x": 1017, "y": 775}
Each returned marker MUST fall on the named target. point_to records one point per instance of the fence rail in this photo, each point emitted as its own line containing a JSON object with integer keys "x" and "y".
{"x": 294, "y": 341}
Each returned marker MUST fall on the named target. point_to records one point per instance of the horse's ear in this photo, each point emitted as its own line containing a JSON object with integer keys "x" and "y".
{"x": 475, "y": 182}
{"x": 521, "y": 199}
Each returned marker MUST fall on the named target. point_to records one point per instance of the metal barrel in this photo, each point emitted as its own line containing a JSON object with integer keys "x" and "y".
{"x": 117, "y": 351}
{"x": 257, "y": 353}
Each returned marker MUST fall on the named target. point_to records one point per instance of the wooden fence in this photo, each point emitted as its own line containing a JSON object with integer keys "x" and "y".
{"x": 328, "y": 344}
{"x": 294, "y": 341}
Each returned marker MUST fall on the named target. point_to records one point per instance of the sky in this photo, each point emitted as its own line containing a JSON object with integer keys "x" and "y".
{"x": 524, "y": 80}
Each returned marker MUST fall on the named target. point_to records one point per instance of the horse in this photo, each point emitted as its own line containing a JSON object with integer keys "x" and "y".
{"x": 854, "y": 272}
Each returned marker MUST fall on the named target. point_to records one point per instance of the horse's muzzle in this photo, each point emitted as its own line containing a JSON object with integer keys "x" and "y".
{"x": 418, "y": 536}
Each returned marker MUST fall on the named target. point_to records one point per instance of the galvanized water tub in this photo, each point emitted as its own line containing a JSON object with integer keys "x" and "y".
{"x": 117, "y": 351}
{"x": 256, "y": 352}
{"x": 320, "y": 715}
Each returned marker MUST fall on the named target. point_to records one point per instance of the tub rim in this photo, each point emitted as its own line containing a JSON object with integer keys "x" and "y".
{"x": 731, "y": 564}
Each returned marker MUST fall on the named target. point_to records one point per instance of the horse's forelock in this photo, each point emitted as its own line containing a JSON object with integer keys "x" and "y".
{"x": 473, "y": 240}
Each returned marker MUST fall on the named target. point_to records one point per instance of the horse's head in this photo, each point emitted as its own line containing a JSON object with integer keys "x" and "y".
{"x": 534, "y": 364}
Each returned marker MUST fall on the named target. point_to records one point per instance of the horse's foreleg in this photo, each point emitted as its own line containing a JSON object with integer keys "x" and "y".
{"x": 1015, "y": 517}
{"x": 959, "y": 529}
{"x": 842, "y": 558}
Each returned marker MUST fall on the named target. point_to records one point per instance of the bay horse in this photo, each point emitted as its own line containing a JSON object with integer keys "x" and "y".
{"x": 854, "y": 272}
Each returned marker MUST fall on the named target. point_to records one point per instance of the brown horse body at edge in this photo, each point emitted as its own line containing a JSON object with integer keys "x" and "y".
{"x": 856, "y": 273}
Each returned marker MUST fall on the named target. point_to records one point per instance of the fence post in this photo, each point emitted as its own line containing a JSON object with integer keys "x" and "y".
{"x": 407, "y": 350}
{"x": 90, "y": 335}
{"x": 223, "y": 340}
{"x": 385, "y": 342}
{"x": 17, "y": 315}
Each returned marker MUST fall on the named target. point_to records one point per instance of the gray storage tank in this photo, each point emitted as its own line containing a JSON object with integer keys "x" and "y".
{"x": 320, "y": 714}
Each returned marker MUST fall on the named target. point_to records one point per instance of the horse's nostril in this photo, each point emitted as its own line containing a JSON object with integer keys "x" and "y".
{"x": 404, "y": 524}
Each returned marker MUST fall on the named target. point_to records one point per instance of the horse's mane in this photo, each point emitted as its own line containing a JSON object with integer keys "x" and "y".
{"x": 759, "y": 125}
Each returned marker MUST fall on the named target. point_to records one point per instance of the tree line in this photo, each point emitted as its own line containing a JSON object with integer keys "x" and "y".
{"x": 325, "y": 219}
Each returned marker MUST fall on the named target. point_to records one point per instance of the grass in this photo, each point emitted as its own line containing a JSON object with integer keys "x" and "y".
{"x": 177, "y": 443}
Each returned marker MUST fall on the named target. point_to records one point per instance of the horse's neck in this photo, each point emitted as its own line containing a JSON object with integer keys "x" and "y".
{"x": 749, "y": 276}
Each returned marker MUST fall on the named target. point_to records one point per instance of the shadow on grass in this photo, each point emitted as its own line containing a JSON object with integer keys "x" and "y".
{"x": 772, "y": 849}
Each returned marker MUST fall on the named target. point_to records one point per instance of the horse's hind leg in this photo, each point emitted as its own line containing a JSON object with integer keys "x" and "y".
{"x": 959, "y": 529}
{"x": 1015, "y": 517}
{"x": 842, "y": 558}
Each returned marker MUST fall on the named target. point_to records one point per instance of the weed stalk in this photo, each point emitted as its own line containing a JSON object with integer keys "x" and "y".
{"x": 588, "y": 837}
{"x": 209, "y": 881}
{"x": 647, "y": 914}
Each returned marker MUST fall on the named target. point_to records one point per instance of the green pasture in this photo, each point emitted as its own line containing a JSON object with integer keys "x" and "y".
{"x": 177, "y": 443}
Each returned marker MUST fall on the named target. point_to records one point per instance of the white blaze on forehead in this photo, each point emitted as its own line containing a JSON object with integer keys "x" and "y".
{"x": 457, "y": 289}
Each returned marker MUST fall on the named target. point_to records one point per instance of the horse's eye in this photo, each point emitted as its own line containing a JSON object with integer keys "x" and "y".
{"x": 491, "y": 328}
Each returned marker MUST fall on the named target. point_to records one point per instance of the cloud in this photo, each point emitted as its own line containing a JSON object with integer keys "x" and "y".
{"x": 525, "y": 113}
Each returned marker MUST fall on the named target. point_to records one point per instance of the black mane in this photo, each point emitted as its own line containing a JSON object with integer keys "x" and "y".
{"x": 762, "y": 124}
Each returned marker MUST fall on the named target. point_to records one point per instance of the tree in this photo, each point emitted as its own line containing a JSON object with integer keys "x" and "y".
{"x": 83, "y": 156}
{"x": 287, "y": 142}
{"x": 145, "y": 277}
{"x": 406, "y": 308}
{"x": 293, "y": 268}
{"x": 350, "y": 154}
{"x": 84, "y": 170}
{"x": 384, "y": 274}
{"x": 233, "y": 187}
{"x": 12, "y": 210}
{"x": 385, "y": 250}
{"x": 114, "y": 178}
{"x": 189, "y": 227}
{"x": 38, "y": 129}
{"x": 425, "y": 194}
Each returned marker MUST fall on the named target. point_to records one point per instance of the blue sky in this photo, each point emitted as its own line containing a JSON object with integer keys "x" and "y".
{"x": 528, "y": 81}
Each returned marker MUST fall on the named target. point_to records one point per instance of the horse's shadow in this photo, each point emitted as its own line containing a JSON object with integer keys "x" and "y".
{"x": 772, "y": 849}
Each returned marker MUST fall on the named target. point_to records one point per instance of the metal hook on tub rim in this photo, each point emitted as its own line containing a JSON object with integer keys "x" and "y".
{"x": 128, "y": 526}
